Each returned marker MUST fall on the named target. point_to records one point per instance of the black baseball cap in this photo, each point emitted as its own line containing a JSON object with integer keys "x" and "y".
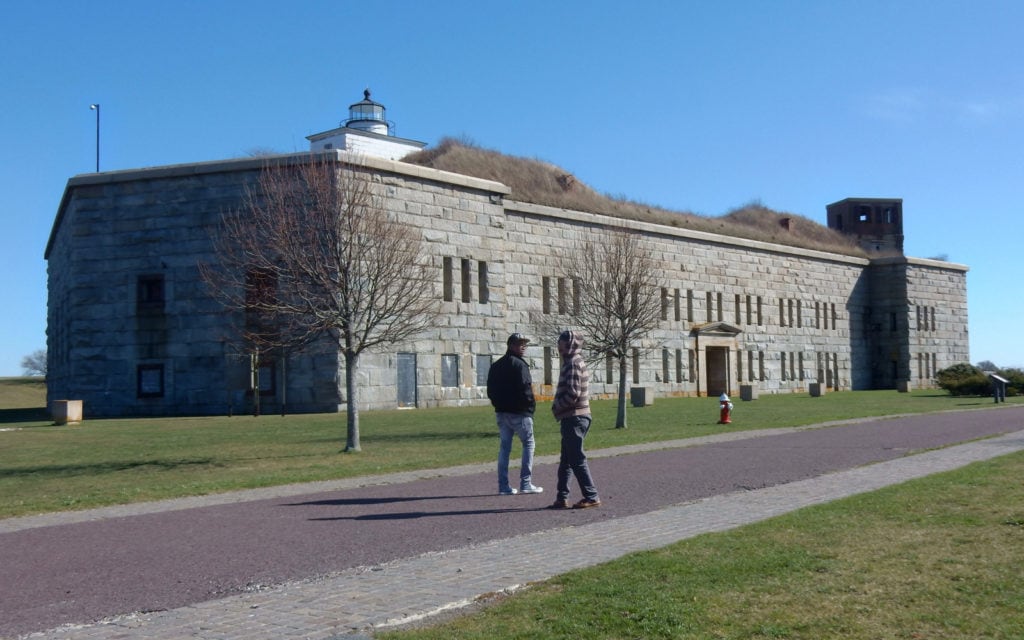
{"x": 516, "y": 338}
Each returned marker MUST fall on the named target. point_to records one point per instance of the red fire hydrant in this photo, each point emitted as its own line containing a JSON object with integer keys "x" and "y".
{"x": 725, "y": 408}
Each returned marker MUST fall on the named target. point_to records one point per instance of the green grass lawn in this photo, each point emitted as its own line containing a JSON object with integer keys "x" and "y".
{"x": 44, "y": 467}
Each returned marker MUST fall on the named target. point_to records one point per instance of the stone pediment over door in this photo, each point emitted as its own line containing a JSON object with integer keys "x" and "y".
{"x": 716, "y": 334}
{"x": 715, "y": 345}
{"x": 715, "y": 330}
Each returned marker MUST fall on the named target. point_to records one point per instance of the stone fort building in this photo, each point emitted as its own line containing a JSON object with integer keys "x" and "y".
{"x": 132, "y": 329}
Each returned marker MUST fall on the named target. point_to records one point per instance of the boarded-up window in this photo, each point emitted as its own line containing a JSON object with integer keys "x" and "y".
{"x": 449, "y": 370}
{"x": 483, "y": 366}
{"x": 150, "y": 380}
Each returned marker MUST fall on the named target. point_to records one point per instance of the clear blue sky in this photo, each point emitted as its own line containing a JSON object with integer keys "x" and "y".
{"x": 701, "y": 106}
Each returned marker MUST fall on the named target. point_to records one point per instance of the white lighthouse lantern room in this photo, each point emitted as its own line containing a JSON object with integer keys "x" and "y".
{"x": 367, "y": 132}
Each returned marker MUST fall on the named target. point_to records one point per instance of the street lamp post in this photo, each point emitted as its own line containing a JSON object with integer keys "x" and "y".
{"x": 96, "y": 108}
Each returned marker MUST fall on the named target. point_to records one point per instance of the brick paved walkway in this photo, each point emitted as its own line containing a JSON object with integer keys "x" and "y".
{"x": 352, "y": 603}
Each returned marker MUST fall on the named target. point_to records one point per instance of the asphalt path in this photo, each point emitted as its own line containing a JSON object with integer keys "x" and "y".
{"x": 86, "y": 571}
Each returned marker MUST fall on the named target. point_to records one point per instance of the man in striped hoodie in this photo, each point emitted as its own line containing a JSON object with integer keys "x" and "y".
{"x": 571, "y": 408}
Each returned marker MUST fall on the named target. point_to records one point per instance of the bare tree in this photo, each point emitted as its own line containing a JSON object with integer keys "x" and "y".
{"x": 34, "y": 364}
{"x": 615, "y": 300}
{"x": 313, "y": 252}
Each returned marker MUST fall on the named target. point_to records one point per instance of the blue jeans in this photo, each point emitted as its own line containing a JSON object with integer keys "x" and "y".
{"x": 509, "y": 425}
{"x": 573, "y": 461}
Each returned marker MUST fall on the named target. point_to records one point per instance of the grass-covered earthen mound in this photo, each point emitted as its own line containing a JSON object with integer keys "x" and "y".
{"x": 539, "y": 182}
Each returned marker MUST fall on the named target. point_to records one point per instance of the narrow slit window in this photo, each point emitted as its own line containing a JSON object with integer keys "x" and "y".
{"x": 484, "y": 293}
{"x": 446, "y": 279}
{"x": 467, "y": 286}
{"x": 150, "y": 294}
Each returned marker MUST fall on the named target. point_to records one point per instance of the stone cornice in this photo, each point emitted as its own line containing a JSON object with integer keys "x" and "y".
{"x": 919, "y": 262}
{"x": 675, "y": 232}
{"x": 256, "y": 163}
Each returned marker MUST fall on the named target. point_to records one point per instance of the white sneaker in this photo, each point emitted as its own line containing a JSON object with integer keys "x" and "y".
{"x": 510, "y": 492}
{"x": 532, "y": 489}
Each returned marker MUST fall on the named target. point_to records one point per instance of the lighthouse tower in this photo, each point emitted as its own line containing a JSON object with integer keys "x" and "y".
{"x": 366, "y": 132}
{"x": 367, "y": 115}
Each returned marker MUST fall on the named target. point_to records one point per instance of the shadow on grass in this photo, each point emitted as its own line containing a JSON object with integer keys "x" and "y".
{"x": 34, "y": 414}
{"x": 427, "y": 435}
{"x": 102, "y": 468}
{"x": 25, "y": 381}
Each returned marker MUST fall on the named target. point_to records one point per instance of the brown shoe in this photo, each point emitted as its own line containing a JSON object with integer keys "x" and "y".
{"x": 560, "y": 503}
{"x": 587, "y": 503}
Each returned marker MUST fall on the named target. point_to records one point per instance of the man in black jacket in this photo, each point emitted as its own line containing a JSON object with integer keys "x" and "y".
{"x": 510, "y": 389}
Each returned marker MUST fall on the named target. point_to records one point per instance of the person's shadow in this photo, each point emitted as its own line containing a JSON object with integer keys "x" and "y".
{"x": 406, "y": 515}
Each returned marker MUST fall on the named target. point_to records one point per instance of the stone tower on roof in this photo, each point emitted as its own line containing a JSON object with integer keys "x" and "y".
{"x": 877, "y": 223}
